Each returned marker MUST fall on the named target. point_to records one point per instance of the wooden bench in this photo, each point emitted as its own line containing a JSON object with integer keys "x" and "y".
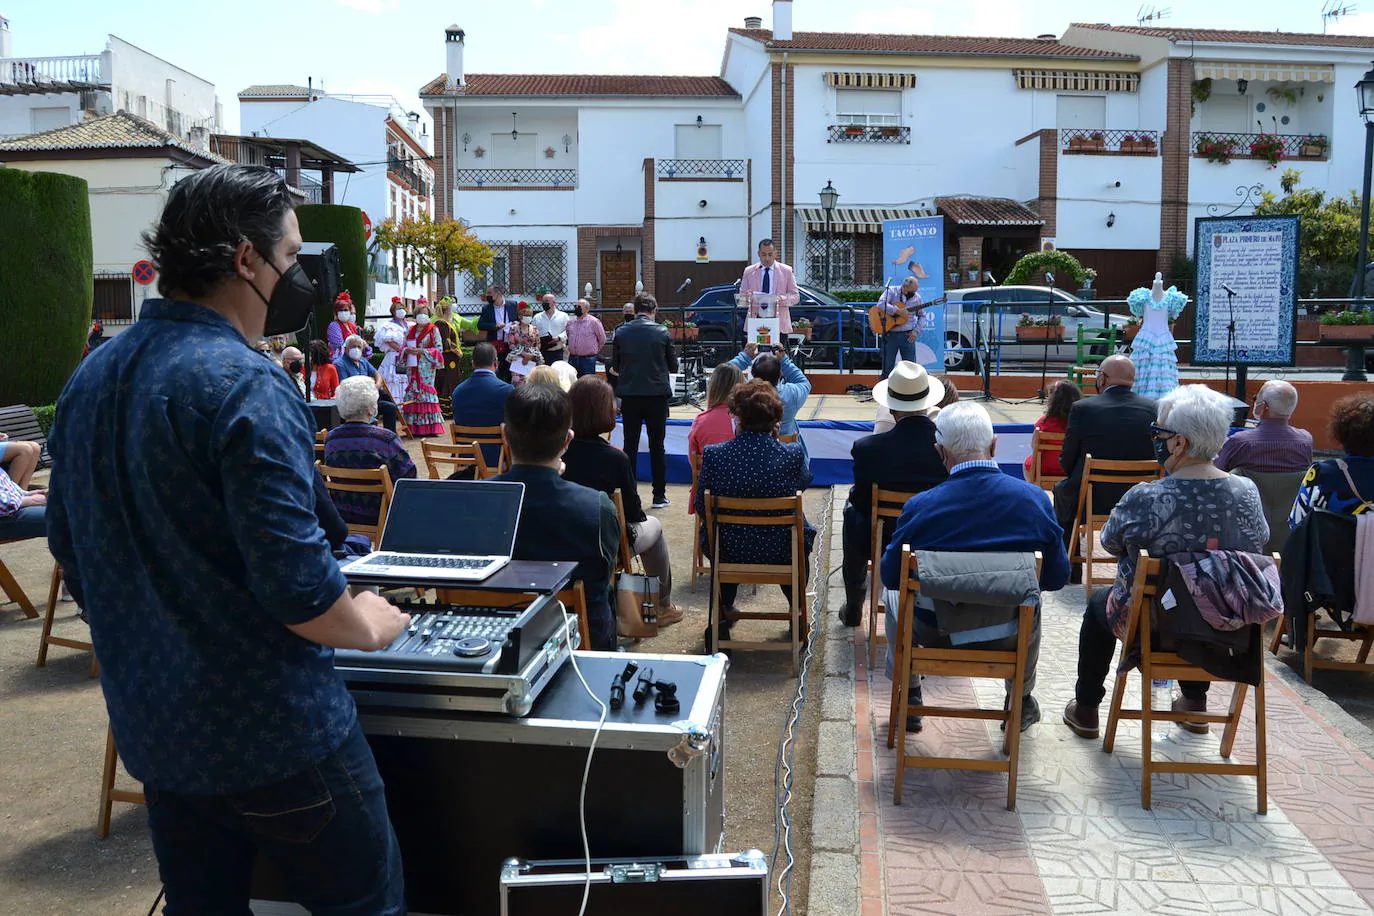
{"x": 20, "y": 424}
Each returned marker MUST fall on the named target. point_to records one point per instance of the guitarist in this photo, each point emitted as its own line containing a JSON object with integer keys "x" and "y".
{"x": 900, "y": 340}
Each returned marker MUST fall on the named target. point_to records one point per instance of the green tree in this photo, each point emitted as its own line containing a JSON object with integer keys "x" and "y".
{"x": 1330, "y": 236}
{"x": 433, "y": 247}
{"x": 45, "y": 300}
{"x": 344, "y": 227}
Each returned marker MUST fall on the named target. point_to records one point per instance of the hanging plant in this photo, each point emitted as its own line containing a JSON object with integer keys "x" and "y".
{"x": 1283, "y": 93}
{"x": 1202, "y": 91}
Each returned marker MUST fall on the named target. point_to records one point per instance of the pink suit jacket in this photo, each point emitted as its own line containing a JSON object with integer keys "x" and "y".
{"x": 784, "y": 286}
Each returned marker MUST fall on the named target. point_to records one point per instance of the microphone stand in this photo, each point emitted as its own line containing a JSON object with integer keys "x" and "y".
{"x": 1230, "y": 336}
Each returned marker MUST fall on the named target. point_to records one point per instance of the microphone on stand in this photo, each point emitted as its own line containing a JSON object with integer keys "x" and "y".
{"x": 685, "y": 283}
{"x": 1229, "y": 291}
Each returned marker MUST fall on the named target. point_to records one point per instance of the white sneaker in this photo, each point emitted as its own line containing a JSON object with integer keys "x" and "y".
{"x": 663, "y": 503}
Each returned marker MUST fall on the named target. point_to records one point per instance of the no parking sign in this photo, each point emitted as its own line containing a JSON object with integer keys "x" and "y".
{"x": 144, "y": 273}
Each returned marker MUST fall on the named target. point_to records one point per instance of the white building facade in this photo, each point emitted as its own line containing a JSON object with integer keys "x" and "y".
{"x": 392, "y": 150}
{"x": 42, "y": 93}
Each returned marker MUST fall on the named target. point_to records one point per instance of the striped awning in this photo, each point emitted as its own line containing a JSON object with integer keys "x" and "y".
{"x": 856, "y": 219}
{"x": 1078, "y": 80}
{"x": 870, "y": 80}
{"x": 1261, "y": 72}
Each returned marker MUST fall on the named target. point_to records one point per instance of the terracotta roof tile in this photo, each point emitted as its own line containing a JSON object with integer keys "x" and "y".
{"x": 1236, "y": 36}
{"x": 120, "y": 130}
{"x": 535, "y": 84}
{"x": 987, "y": 211}
{"x": 929, "y": 44}
{"x": 278, "y": 91}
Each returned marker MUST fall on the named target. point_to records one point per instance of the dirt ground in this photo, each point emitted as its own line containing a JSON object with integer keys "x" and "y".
{"x": 52, "y": 736}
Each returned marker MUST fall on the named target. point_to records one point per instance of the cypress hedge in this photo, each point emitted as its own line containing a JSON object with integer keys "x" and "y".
{"x": 344, "y": 227}
{"x": 46, "y": 298}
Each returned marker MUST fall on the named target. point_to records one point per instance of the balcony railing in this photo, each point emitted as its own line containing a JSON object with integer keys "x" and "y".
{"x": 701, "y": 169}
{"x": 867, "y": 133}
{"x": 1223, "y": 147}
{"x": 1091, "y": 142}
{"x": 75, "y": 71}
{"x": 523, "y": 178}
{"x": 412, "y": 178}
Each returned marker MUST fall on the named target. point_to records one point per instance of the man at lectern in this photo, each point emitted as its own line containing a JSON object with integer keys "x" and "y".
{"x": 770, "y": 277}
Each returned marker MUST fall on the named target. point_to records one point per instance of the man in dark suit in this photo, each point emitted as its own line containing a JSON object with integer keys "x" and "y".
{"x": 1114, "y": 425}
{"x": 538, "y": 429}
{"x": 903, "y": 458}
{"x": 642, "y": 355}
{"x": 496, "y": 315}
{"x": 481, "y": 399}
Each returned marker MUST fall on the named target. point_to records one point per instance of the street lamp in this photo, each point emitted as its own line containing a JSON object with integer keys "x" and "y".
{"x": 829, "y": 197}
{"x": 1364, "y": 94}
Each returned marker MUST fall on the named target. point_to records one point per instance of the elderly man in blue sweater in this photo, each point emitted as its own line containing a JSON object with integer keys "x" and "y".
{"x": 978, "y": 508}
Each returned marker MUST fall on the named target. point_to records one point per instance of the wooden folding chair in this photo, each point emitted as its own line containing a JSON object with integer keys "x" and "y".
{"x": 625, "y": 558}
{"x": 319, "y": 444}
{"x": 1311, "y": 662}
{"x": 361, "y": 480}
{"x": 455, "y": 456}
{"x": 1149, "y": 573}
{"x": 1042, "y": 444}
{"x": 790, "y": 437}
{"x": 700, "y": 566}
{"x": 400, "y": 417}
{"x": 108, "y": 793}
{"x": 47, "y": 639}
{"x": 914, "y": 661}
{"x": 11, "y": 587}
{"x": 1087, "y": 523}
{"x": 484, "y": 435}
{"x": 574, "y": 598}
{"x": 887, "y": 506}
{"x": 783, "y": 511}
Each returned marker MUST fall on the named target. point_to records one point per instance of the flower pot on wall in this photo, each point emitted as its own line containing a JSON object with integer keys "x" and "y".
{"x": 1347, "y": 332}
{"x": 1040, "y": 332}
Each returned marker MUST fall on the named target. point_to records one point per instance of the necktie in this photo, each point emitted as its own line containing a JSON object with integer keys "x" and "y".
{"x": 767, "y": 274}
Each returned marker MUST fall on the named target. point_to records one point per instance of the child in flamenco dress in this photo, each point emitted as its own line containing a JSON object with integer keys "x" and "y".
{"x": 423, "y": 357}
{"x": 1154, "y": 350}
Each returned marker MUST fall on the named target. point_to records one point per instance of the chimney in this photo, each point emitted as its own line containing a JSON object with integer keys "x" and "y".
{"x": 4, "y": 36}
{"x": 782, "y": 20}
{"x": 753, "y": 22}
{"x": 453, "y": 47}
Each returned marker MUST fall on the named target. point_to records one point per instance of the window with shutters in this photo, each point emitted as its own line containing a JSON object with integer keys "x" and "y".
{"x": 868, "y": 107}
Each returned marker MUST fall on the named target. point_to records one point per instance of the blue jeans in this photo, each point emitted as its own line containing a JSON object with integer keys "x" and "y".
{"x": 585, "y": 365}
{"x": 28, "y": 522}
{"x": 325, "y": 829}
{"x": 896, "y": 345}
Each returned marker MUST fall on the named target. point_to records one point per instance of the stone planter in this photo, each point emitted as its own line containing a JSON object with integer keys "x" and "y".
{"x": 1040, "y": 332}
{"x": 1363, "y": 332}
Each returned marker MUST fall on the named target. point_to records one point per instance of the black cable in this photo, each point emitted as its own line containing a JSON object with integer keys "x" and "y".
{"x": 158, "y": 899}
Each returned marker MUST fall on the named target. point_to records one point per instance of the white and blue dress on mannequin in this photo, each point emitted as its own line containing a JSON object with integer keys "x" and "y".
{"x": 1154, "y": 350}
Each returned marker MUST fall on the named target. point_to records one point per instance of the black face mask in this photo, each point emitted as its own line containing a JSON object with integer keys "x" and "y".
{"x": 1162, "y": 451}
{"x": 294, "y": 366}
{"x": 292, "y": 299}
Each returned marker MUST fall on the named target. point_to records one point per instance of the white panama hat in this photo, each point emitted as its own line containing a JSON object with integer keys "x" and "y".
{"x": 908, "y": 389}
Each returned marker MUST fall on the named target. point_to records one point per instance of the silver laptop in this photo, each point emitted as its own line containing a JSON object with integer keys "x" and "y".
{"x": 445, "y": 530}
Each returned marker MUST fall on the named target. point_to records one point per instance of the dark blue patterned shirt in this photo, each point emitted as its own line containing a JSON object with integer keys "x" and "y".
{"x": 182, "y": 513}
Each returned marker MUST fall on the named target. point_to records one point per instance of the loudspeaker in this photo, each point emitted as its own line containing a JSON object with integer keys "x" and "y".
{"x": 321, "y": 263}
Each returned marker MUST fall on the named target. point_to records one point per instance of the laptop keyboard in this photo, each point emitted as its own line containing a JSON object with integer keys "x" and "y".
{"x": 401, "y": 559}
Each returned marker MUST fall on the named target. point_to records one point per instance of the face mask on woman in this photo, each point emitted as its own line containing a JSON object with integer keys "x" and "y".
{"x": 346, "y": 317}
{"x": 355, "y": 353}
{"x": 1162, "y": 454}
{"x": 422, "y": 320}
{"x": 400, "y": 314}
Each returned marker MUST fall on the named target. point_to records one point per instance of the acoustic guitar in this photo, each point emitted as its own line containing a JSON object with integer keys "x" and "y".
{"x": 881, "y": 322}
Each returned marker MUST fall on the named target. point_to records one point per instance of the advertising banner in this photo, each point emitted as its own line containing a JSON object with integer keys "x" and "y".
{"x": 916, "y": 248}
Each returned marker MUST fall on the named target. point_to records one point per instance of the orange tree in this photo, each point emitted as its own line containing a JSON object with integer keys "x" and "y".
{"x": 439, "y": 247}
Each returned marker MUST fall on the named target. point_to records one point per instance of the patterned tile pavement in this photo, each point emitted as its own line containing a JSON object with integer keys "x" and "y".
{"x": 1079, "y": 841}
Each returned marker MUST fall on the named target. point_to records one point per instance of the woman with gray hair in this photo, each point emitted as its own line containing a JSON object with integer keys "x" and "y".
{"x": 1196, "y": 507}
{"x": 357, "y": 443}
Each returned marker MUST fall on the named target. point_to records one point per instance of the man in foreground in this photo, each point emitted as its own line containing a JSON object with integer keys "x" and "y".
{"x": 182, "y": 513}
{"x": 978, "y": 509}
{"x": 586, "y": 528}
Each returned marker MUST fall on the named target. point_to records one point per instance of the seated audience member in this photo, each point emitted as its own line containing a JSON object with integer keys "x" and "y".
{"x": 904, "y": 458}
{"x": 1326, "y": 486}
{"x": 1113, "y": 425}
{"x": 353, "y": 362}
{"x": 1275, "y": 445}
{"x": 1197, "y": 507}
{"x": 324, "y": 377}
{"x": 778, "y": 370}
{"x": 356, "y": 443}
{"x": 593, "y": 462}
{"x": 566, "y": 372}
{"x": 883, "y": 420}
{"x": 544, "y": 375}
{"x": 714, "y": 424}
{"x": 754, "y": 464}
{"x": 23, "y": 514}
{"x": 293, "y": 361}
{"x": 481, "y": 399}
{"x": 20, "y": 459}
{"x": 978, "y": 509}
{"x": 1063, "y": 395}
{"x": 561, "y": 520}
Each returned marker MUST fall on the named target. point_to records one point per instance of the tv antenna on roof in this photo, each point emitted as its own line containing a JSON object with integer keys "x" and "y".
{"x": 1332, "y": 12}
{"x": 1150, "y": 14}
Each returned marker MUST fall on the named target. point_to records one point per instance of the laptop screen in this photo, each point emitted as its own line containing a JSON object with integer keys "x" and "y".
{"x": 464, "y": 518}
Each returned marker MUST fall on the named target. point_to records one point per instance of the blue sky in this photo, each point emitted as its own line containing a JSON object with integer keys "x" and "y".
{"x": 395, "y": 46}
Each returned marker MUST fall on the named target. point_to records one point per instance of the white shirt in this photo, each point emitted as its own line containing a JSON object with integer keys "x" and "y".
{"x": 552, "y": 325}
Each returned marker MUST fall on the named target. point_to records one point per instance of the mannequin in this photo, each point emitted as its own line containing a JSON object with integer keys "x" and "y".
{"x": 1153, "y": 351}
